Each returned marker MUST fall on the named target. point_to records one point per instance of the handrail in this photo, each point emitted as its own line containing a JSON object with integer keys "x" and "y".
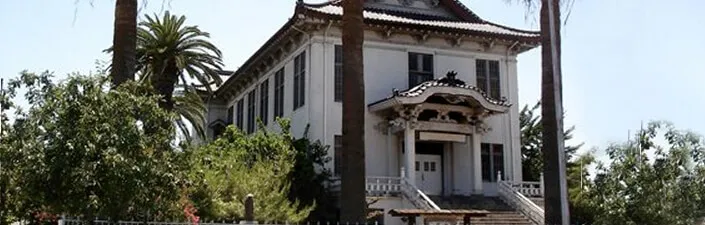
{"x": 520, "y": 202}
{"x": 417, "y": 197}
{"x": 528, "y": 188}
{"x": 383, "y": 186}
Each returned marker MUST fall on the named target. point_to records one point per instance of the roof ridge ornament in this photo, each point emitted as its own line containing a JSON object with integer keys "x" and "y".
{"x": 451, "y": 79}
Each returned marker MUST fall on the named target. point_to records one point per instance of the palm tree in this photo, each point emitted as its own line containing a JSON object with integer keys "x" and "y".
{"x": 124, "y": 41}
{"x": 352, "y": 190}
{"x": 168, "y": 52}
{"x": 556, "y": 189}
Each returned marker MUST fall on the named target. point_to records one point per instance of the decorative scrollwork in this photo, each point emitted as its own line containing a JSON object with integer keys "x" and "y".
{"x": 443, "y": 117}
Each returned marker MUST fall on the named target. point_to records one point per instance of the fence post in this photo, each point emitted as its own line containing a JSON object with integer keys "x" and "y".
{"x": 249, "y": 210}
{"x": 541, "y": 183}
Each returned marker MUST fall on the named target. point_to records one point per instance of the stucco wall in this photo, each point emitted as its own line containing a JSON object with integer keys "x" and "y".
{"x": 386, "y": 68}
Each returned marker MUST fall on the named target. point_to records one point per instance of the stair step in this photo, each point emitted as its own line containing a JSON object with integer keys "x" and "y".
{"x": 500, "y": 213}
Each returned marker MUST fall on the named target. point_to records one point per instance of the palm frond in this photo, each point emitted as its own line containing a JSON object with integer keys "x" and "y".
{"x": 191, "y": 107}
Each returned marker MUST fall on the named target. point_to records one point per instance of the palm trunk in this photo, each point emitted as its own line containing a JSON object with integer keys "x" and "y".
{"x": 352, "y": 191}
{"x": 556, "y": 199}
{"x": 164, "y": 84}
{"x": 124, "y": 42}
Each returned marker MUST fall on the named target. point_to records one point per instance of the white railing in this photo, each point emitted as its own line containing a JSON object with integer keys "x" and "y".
{"x": 518, "y": 201}
{"x": 383, "y": 186}
{"x": 528, "y": 188}
{"x": 417, "y": 197}
{"x": 377, "y": 186}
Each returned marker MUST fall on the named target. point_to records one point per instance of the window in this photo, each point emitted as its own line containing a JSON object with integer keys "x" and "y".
{"x": 338, "y": 79}
{"x": 240, "y": 110}
{"x": 338, "y": 158}
{"x": 218, "y": 130}
{"x": 230, "y": 115}
{"x": 279, "y": 93}
{"x": 251, "y": 111}
{"x": 492, "y": 161}
{"x": 420, "y": 68}
{"x": 264, "y": 101}
{"x": 299, "y": 80}
{"x": 488, "y": 77}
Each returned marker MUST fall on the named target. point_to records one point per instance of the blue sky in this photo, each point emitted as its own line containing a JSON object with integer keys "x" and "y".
{"x": 623, "y": 61}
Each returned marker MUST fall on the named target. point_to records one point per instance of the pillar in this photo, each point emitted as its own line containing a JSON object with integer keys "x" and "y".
{"x": 410, "y": 152}
{"x": 476, "y": 163}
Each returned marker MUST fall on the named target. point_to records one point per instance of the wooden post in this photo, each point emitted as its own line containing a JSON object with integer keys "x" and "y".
{"x": 249, "y": 210}
{"x": 466, "y": 220}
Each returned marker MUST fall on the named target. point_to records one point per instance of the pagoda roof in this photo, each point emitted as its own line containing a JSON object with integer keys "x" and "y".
{"x": 464, "y": 22}
{"x": 460, "y": 22}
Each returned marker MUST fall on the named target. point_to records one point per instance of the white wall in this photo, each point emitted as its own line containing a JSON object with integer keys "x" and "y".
{"x": 386, "y": 68}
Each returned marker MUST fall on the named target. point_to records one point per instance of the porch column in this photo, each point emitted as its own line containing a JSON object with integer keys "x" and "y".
{"x": 410, "y": 152}
{"x": 476, "y": 163}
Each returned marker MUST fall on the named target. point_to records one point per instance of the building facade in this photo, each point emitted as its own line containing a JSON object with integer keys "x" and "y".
{"x": 440, "y": 87}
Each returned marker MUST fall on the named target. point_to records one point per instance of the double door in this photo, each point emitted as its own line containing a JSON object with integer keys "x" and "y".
{"x": 428, "y": 174}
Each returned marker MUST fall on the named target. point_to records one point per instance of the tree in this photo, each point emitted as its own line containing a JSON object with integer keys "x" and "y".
{"x": 168, "y": 52}
{"x": 124, "y": 41}
{"x": 352, "y": 190}
{"x": 551, "y": 111}
{"x": 532, "y": 143}
{"x": 309, "y": 176}
{"x": 84, "y": 150}
{"x": 236, "y": 164}
{"x": 646, "y": 183}
{"x": 581, "y": 205}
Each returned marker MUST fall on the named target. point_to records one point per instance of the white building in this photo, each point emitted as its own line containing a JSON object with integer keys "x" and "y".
{"x": 441, "y": 92}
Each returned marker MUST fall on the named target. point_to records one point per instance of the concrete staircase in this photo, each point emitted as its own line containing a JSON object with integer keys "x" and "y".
{"x": 500, "y": 213}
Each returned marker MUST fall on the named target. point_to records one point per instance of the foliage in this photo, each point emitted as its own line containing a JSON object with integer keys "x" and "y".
{"x": 577, "y": 173}
{"x": 166, "y": 42}
{"x": 647, "y": 183}
{"x": 531, "y": 142}
{"x": 235, "y": 165}
{"x": 167, "y": 53}
{"x": 82, "y": 149}
{"x": 582, "y": 209}
{"x": 309, "y": 176}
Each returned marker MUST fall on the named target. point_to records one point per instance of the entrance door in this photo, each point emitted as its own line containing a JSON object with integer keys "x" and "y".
{"x": 428, "y": 174}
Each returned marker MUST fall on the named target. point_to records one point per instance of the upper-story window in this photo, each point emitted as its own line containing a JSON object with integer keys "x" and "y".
{"x": 338, "y": 95}
{"x": 299, "y": 80}
{"x": 240, "y": 111}
{"x": 230, "y": 115}
{"x": 251, "y": 106}
{"x": 279, "y": 93}
{"x": 264, "y": 101}
{"x": 420, "y": 68}
{"x": 488, "y": 77}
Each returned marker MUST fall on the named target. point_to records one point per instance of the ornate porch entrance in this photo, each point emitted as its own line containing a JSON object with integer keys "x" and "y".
{"x": 445, "y": 110}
